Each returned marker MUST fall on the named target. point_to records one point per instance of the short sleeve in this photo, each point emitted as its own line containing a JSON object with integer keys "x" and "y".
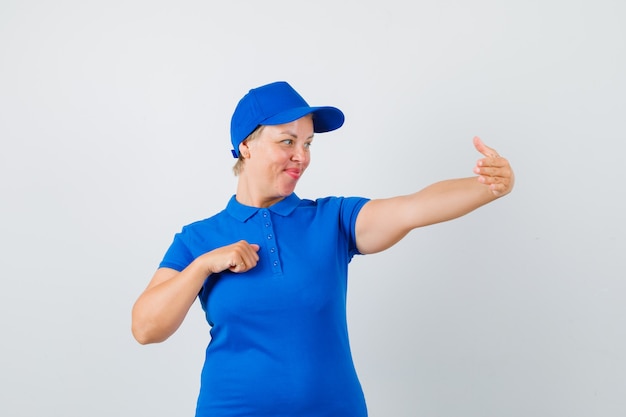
{"x": 350, "y": 208}
{"x": 178, "y": 255}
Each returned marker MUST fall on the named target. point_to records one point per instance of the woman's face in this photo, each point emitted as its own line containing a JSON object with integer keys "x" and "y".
{"x": 277, "y": 158}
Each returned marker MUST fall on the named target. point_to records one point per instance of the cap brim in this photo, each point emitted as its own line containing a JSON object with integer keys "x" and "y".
{"x": 325, "y": 119}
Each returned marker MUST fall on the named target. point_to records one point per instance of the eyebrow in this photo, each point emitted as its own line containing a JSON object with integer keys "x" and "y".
{"x": 293, "y": 135}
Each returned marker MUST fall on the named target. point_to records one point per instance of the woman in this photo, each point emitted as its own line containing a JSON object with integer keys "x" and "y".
{"x": 271, "y": 269}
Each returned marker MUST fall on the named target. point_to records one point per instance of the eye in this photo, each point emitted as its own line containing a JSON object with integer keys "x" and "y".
{"x": 287, "y": 141}
{"x": 307, "y": 145}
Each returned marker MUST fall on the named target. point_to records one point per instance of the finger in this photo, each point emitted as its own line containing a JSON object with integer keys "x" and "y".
{"x": 498, "y": 189}
{"x": 251, "y": 256}
{"x": 490, "y": 183}
{"x": 498, "y": 186}
{"x": 247, "y": 247}
{"x": 493, "y": 167}
{"x": 243, "y": 266}
{"x": 246, "y": 257}
{"x": 485, "y": 168}
{"x": 484, "y": 149}
{"x": 240, "y": 266}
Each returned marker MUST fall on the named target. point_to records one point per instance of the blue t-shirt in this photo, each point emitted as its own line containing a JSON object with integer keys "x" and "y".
{"x": 279, "y": 339}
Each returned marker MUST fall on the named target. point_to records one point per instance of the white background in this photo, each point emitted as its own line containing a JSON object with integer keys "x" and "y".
{"x": 114, "y": 129}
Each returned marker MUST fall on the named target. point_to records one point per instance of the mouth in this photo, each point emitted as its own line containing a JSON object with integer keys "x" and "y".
{"x": 294, "y": 173}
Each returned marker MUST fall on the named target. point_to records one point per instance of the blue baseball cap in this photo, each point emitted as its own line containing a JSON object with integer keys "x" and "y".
{"x": 274, "y": 104}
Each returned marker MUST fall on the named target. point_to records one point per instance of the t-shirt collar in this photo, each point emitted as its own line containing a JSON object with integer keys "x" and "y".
{"x": 242, "y": 212}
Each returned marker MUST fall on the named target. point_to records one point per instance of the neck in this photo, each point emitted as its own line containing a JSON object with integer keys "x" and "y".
{"x": 249, "y": 195}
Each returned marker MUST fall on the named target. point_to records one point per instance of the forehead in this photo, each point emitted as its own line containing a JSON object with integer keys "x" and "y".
{"x": 299, "y": 128}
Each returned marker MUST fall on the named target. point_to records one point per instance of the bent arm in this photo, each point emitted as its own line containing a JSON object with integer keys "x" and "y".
{"x": 164, "y": 304}
{"x": 162, "y": 307}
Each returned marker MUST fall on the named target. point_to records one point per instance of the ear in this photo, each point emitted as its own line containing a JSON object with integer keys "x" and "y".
{"x": 244, "y": 150}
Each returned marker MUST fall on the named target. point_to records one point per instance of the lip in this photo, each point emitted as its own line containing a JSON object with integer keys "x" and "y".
{"x": 294, "y": 173}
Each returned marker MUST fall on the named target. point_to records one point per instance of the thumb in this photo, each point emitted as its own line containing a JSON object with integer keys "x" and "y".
{"x": 484, "y": 149}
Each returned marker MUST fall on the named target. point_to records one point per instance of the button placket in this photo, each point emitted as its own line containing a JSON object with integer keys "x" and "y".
{"x": 268, "y": 230}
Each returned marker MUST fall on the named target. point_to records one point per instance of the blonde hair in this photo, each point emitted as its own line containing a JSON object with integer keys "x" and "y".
{"x": 238, "y": 167}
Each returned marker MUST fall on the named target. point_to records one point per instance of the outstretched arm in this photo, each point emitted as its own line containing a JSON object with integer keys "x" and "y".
{"x": 382, "y": 223}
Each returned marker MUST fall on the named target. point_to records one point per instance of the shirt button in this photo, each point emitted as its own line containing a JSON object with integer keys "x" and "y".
{"x": 275, "y": 263}
{"x": 267, "y": 224}
{"x": 272, "y": 250}
{"x": 269, "y": 237}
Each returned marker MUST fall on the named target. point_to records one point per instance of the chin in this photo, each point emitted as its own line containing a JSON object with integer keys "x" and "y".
{"x": 286, "y": 191}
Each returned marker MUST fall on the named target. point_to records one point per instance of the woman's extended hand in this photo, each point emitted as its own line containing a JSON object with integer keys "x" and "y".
{"x": 493, "y": 170}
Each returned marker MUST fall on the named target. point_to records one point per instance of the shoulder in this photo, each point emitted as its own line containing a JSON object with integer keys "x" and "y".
{"x": 345, "y": 204}
{"x": 338, "y": 201}
{"x": 343, "y": 207}
{"x": 207, "y": 223}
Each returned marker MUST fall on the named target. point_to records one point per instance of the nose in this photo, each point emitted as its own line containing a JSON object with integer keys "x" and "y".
{"x": 300, "y": 153}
